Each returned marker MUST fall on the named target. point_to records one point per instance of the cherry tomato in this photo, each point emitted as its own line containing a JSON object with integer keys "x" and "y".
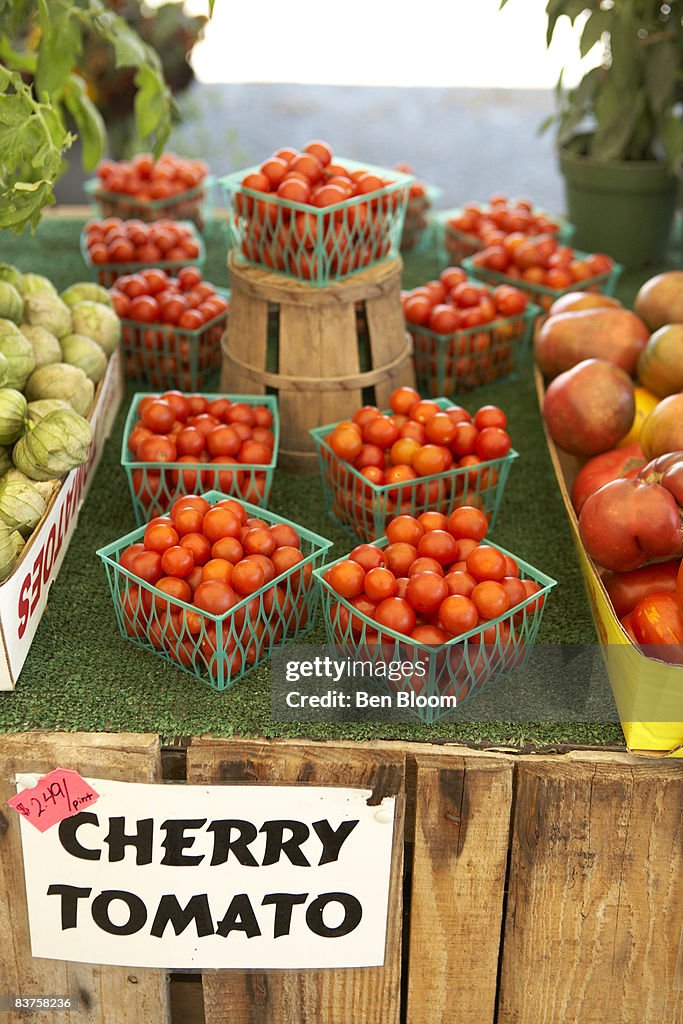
{"x": 490, "y": 599}
{"x": 426, "y": 591}
{"x": 368, "y": 556}
{"x": 157, "y": 415}
{"x": 405, "y": 529}
{"x": 468, "y": 521}
{"x": 397, "y": 614}
{"x": 220, "y": 522}
{"x": 159, "y": 536}
{"x": 380, "y": 584}
{"x": 199, "y": 545}
{"x": 346, "y": 578}
{"x": 215, "y": 597}
{"x": 458, "y": 614}
{"x": 248, "y": 577}
{"x": 177, "y": 561}
{"x": 486, "y": 563}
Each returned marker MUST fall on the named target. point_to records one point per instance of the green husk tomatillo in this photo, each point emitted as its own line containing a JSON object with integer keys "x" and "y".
{"x": 22, "y": 506}
{"x": 78, "y": 350}
{"x": 39, "y": 409}
{"x": 98, "y": 322}
{"x": 9, "y": 550}
{"x": 61, "y": 380}
{"x": 19, "y": 355}
{"x": 35, "y": 284}
{"x": 11, "y": 302}
{"x": 46, "y": 348}
{"x": 9, "y": 273}
{"x": 4, "y": 370}
{"x": 86, "y": 291}
{"x": 13, "y": 408}
{"x": 46, "y": 309}
{"x": 44, "y": 487}
{"x": 59, "y": 443}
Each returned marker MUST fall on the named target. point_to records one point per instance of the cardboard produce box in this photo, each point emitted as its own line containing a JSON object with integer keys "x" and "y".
{"x": 639, "y": 684}
{"x": 24, "y": 595}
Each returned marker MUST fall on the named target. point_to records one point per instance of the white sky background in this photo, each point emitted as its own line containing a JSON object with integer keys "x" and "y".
{"x": 385, "y": 42}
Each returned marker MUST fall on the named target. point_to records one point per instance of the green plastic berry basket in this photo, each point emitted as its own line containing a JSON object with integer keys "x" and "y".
{"x": 106, "y": 273}
{"x": 165, "y": 356}
{"x": 313, "y": 244}
{"x": 193, "y": 204}
{"x": 217, "y": 649}
{"x": 459, "y": 245}
{"x": 154, "y": 486}
{"x": 364, "y": 509}
{"x": 449, "y": 364}
{"x": 454, "y": 671}
{"x": 540, "y": 294}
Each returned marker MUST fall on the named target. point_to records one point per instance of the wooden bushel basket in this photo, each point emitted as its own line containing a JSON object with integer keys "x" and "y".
{"x": 316, "y": 370}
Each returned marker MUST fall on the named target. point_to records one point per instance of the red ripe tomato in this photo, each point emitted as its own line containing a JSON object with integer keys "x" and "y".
{"x": 295, "y": 190}
{"x": 397, "y": 614}
{"x": 492, "y": 443}
{"x": 177, "y": 561}
{"x": 191, "y": 320}
{"x": 237, "y": 510}
{"x": 223, "y": 440}
{"x": 380, "y": 584}
{"x": 417, "y": 310}
{"x": 254, "y": 453}
{"x": 424, "y": 564}
{"x": 426, "y": 591}
{"x": 321, "y": 150}
{"x": 468, "y": 521}
{"x": 190, "y": 441}
{"x": 370, "y": 455}
{"x": 432, "y": 636}
{"x": 215, "y": 597}
{"x": 399, "y": 557}
{"x": 432, "y": 520}
{"x": 228, "y": 548}
{"x": 402, "y": 400}
{"x": 157, "y": 448}
{"x": 259, "y": 541}
{"x": 220, "y": 522}
{"x": 440, "y": 545}
{"x": 286, "y": 557}
{"x": 217, "y": 569}
{"x": 157, "y": 415}
{"x": 490, "y": 416}
{"x": 657, "y": 620}
{"x": 248, "y": 577}
{"x": 444, "y": 319}
{"x": 486, "y": 563}
{"x": 347, "y": 578}
{"x": 464, "y": 440}
{"x": 199, "y": 545}
{"x": 158, "y": 537}
{"x": 368, "y": 556}
{"x": 285, "y": 536}
{"x": 458, "y": 614}
{"x": 515, "y": 590}
{"x": 188, "y": 520}
{"x": 406, "y": 530}
{"x": 461, "y": 583}
{"x": 490, "y": 599}
{"x": 128, "y": 556}
{"x": 380, "y": 431}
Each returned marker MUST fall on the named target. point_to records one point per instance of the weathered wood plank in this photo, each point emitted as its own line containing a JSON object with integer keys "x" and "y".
{"x": 595, "y": 903}
{"x": 104, "y": 993}
{"x": 368, "y": 996}
{"x": 462, "y": 825}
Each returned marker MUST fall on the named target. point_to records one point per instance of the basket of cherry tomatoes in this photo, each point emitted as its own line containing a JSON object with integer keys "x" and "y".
{"x": 146, "y": 189}
{"x": 464, "y": 333}
{"x": 215, "y": 585}
{"x": 434, "y": 591}
{"x": 171, "y": 327}
{"x": 474, "y": 226}
{"x": 315, "y": 217}
{"x": 175, "y": 444}
{"x": 113, "y": 247}
{"x": 418, "y": 455}
{"x": 543, "y": 268}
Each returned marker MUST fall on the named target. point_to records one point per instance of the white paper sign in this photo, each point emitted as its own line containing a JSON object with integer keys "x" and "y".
{"x": 179, "y": 876}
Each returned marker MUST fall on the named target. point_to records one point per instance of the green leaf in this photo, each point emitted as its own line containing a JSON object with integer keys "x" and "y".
{"x": 556, "y": 8}
{"x": 212, "y": 4}
{"x": 616, "y": 127}
{"x": 89, "y": 121}
{"x": 153, "y": 107}
{"x": 661, "y": 71}
{"x": 596, "y": 25}
{"x": 59, "y": 49}
{"x": 18, "y": 60}
{"x": 580, "y": 104}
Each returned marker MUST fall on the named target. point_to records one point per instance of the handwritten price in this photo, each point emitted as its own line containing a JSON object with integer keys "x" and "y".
{"x": 56, "y": 796}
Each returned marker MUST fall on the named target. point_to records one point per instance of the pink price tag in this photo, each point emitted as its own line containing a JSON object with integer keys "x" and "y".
{"x": 56, "y": 796}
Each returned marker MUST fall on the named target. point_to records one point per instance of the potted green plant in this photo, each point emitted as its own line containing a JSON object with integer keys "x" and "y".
{"x": 620, "y": 130}
{"x": 41, "y": 52}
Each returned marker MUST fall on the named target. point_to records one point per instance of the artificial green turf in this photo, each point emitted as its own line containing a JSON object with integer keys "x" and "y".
{"x": 81, "y": 675}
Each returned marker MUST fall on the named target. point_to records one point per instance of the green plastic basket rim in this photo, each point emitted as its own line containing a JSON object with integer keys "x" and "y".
{"x": 95, "y": 191}
{"x": 546, "y": 582}
{"x": 189, "y": 333}
{"x": 529, "y": 313}
{"x": 495, "y": 275}
{"x": 130, "y": 268}
{"x": 320, "y": 545}
{"x": 320, "y": 433}
{"x": 232, "y": 183}
{"x": 270, "y": 401}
